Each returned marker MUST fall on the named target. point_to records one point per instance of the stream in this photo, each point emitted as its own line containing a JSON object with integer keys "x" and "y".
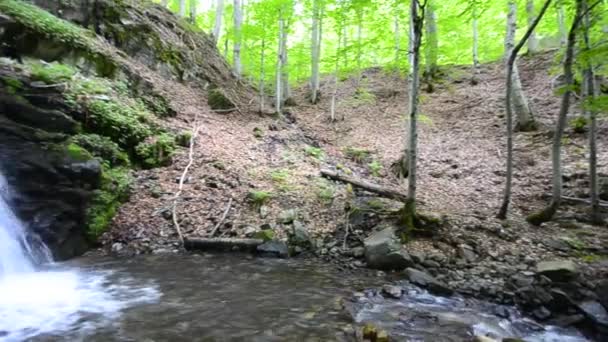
{"x": 224, "y": 297}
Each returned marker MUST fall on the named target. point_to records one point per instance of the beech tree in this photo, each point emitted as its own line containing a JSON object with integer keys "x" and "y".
{"x": 315, "y": 45}
{"x": 193, "y": 7}
{"x": 238, "y": 22}
{"x": 525, "y": 118}
{"x": 556, "y": 196}
{"x": 182, "y": 8}
{"x": 219, "y": 12}
{"x": 431, "y": 42}
{"x": 531, "y": 15}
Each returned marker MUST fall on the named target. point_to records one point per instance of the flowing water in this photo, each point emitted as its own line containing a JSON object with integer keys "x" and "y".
{"x": 221, "y": 298}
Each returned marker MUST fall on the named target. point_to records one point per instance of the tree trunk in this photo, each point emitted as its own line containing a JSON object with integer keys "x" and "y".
{"x": 219, "y": 12}
{"x": 336, "y": 68}
{"x": 416, "y": 35}
{"x": 279, "y": 87}
{"x": 388, "y": 192}
{"x": 193, "y": 4}
{"x": 316, "y": 52}
{"x": 590, "y": 93}
{"x": 238, "y": 20}
{"x": 286, "y": 91}
{"x": 525, "y": 118}
{"x": 532, "y": 41}
{"x": 164, "y": 3}
{"x": 182, "y": 8}
{"x": 397, "y": 36}
{"x": 262, "y": 76}
{"x": 547, "y": 213}
{"x": 561, "y": 22}
{"x": 432, "y": 43}
{"x": 511, "y": 58}
{"x": 475, "y": 77}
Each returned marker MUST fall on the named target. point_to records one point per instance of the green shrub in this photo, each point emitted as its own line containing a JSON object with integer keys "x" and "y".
{"x": 358, "y": 155}
{"x": 579, "y": 124}
{"x": 102, "y": 147}
{"x": 183, "y": 139}
{"x": 363, "y": 96}
{"x": 51, "y": 73}
{"x": 156, "y": 151}
{"x": 78, "y": 153}
{"x": 124, "y": 123}
{"x": 325, "y": 191}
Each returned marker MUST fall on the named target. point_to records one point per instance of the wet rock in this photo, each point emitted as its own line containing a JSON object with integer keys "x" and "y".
{"x": 358, "y": 252}
{"x": 264, "y": 234}
{"x": 117, "y": 247}
{"x": 392, "y": 291}
{"x": 276, "y": 249}
{"x": 557, "y": 270}
{"x": 249, "y": 231}
{"x": 466, "y": 252}
{"x": 595, "y": 311}
{"x": 299, "y": 235}
{"x": 601, "y": 291}
{"x": 424, "y": 279}
{"x": 541, "y": 313}
{"x": 566, "y": 320}
{"x": 383, "y": 251}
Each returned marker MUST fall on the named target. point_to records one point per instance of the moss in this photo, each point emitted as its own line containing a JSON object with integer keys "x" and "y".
{"x": 314, "y": 152}
{"x": 579, "y": 124}
{"x": 102, "y": 147}
{"x": 217, "y": 99}
{"x": 258, "y": 133}
{"x": 77, "y": 152}
{"x": 13, "y": 85}
{"x": 542, "y": 216}
{"x": 258, "y": 197}
{"x": 325, "y": 191}
{"x": 183, "y": 139}
{"x": 114, "y": 190}
{"x": 156, "y": 151}
{"x": 375, "y": 167}
{"x": 51, "y": 73}
{"x": 358, "y": 155}
{"x": 124, "y": 123}
{"x": 265, "y": 235}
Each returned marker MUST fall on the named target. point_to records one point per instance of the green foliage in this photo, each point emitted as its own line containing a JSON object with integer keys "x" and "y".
{"x": 77, "y": 152}
{"x": 183, "y": 139}
{"x": 280, "y": 176}
{"x": 258, "y": 197}
{"x": 102, "y": 147}
{"x": 325, "y": 191}
{"x": 258, "y": 133}
{"x": 124, "y": 123}
{"x": 156, "y": 151}
{"x": 314, "y": 152}
{"x": 358, "y": 155}
{"x": 363, "y": 96}
{"x": 579, "y": 124}
{"x": 375, "y": 167}
{"x": 265, "y": 235}
{"x": 51, "y": 73}
{"x": 114, "y": 190}
{"x": 13, "y": 85}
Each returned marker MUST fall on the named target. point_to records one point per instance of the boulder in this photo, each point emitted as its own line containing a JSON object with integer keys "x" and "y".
{"x": 426, "y": 280}
{"x": 466, "y": 252}
{"x": 557, "y": 270}
{"x": 277, "y": 249}
{"x": 392, "y": 291}
{"x": 288, "y": 216}
{"x": 601, "y": 290}
{"x": 383, "y": 251}
{"x": 299, "y": 235}
{"x": 595, "y": 311}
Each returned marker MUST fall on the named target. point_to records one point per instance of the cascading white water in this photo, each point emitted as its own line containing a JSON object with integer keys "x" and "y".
{"x": 39, "y": 297}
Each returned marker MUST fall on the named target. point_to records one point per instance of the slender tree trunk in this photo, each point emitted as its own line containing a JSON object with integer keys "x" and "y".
{"x": 316, "y": 52}
{"x": 238, "y": 20}
{"x": 525, "y": 118}
{"x": 511, "y": 59}
{"x": 417, "y": 21}
{"x": 286, "y": 91}
{"x": 345, "y": 45}
{"x": 193, "y": 4}
{"x": 590, "y": 93}
{"x": 219, "y": 12}
{"x": 532, "y": 41}
{"x": 556, "y": 197}
{"x": 359, "y": 41}
{"x": 432, "y": 43}
{"x": 397, "y": 36}
{"x": 561, "y": 23}
{"x": 475, "y": 77}
{"x": 262, "y": 75}
{"x": 164, "y": 3}
{"x": 226, "y": 48}
{"x": 336, "y": 77}
{"x": 279, "y": 72}
{"x": 182, "y": 8}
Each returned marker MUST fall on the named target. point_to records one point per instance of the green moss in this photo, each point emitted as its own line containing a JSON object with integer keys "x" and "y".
{"x": 314, "y": 152}
{"x": 258, "y": 197}
{"x": 217, "y": 99}
{"x": 325, "y": 191}
{"x": 13, "y": 85}
{"x": 77, "y": 152}
{"x": 375, "y": 167}
{"x": 51, "y": 73}
{"x": 114, "y": 190}
{"x": 156, "y": 151}
{"x": 126, "y": 124}
{"x": 280, "y": 176}
{"x": 102, "y": 147}
{"x": 579, "y": 124}
{"x": 265, "y": 235}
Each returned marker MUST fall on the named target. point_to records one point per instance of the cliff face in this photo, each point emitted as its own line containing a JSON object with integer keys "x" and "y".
{"x": 84, "y": 96}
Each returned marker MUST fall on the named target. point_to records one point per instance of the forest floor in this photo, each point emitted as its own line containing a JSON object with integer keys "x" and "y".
{"x": 461, "y": 172}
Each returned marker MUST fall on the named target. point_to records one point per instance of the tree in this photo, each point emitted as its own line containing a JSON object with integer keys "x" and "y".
{"x": 532, "y": 41}
{"x": 474, "y": 17}
{"x": 315, "y": 50}
{"x": 561, "y": 22}
{"x": 193, "y": 11}
{"x": 502, "y": 214}
{"x": 280, "y": 64}
{"x": 182, "y": 8}
{"x": 238, "y": 22}
{"x": 417, "y": 20}
{"x": 556, "y": 197}
{"x": 432, "y": 43}
{"x": 525, "y": 118}
{"x": 219, "y": 12}
{"x": 164, "y": 3}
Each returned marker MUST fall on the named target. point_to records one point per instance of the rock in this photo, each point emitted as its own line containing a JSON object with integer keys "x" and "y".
{"x": 595, "y": 311}
{"x": 299, "y": 235}
{"x": 117, "y": 247}
{"x": 541, "y": 313}
{"x": 264, "y": 211}
{"x": 424, "y": 279}
{"x": 392, "y": 291}
{"x": 466, "y": 252}
{"x": 288, "y": 216}
{"x": 557, "y": 270}
{"x": 264, "y": 234}
{"x": 358, "y": 252}
{"x": 383, "y": 251}
{"x": 250, "y": 231}
{"x": 483, "y": 339}
{"x": 382, "y": 336}
{"x": 273, "y": 248}
{"x": 601, "y": 290}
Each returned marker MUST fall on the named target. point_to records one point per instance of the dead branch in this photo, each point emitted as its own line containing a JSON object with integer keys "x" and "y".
{"x": 217, "y": 226}
{"x": 229, "y": 110}
{"x": 576, "y": 200}
{"x": 249, "y": 245}
{"x": 382, "y": 191}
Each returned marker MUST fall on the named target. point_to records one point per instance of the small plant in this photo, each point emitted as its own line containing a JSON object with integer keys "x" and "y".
{"x": 280, "y": 176}
{"x": 579, "y": 124}
{"x": 375, "y": 167}
{"x": 358, "y": 155}
{"x": 363, "y": 96}
{"x": 325, "y": 191}
{"x": 102, "y": 147}
{"x": 13, "y": 85}
{"x": 258, "y": 133}
{"x": 156, "y": 151}
{"x": 314, "y": 152}
{"x": 52, "y": 73}
{"x": 183, "y": 139}
{"x": 258, "y": 197}
{"x": 78, "y": 153}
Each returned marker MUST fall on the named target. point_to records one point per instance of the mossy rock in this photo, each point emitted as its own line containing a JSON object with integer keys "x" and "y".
{"x": 266, "y": 235}
{"x": 183, "y": 139}
{"x": 217, "y": 99}
{"x": 114, "y": 190}
{"x": 102, "y": 147}
{"x": 77, "y": 152}
{"x": 156, "y": 151}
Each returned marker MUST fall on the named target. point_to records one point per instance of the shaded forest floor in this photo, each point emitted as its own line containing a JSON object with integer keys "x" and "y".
{"x": 461, "y": 171}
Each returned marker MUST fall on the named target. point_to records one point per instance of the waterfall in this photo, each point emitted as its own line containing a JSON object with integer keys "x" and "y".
{"x": 18, "y": 253}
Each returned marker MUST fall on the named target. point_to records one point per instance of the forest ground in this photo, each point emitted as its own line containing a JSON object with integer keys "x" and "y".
{"x": 461, "y": 169}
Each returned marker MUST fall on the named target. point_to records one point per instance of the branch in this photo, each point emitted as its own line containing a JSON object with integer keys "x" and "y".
{"x": 229, "y": 244}
{"x": 217, "y": 226}
{"x": 371, "y": 187}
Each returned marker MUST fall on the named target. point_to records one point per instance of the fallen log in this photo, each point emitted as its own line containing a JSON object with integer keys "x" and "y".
{"x": 222, "y": 244}
{"x": 576, "y": 200}
{"x": 371, "y": 187}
